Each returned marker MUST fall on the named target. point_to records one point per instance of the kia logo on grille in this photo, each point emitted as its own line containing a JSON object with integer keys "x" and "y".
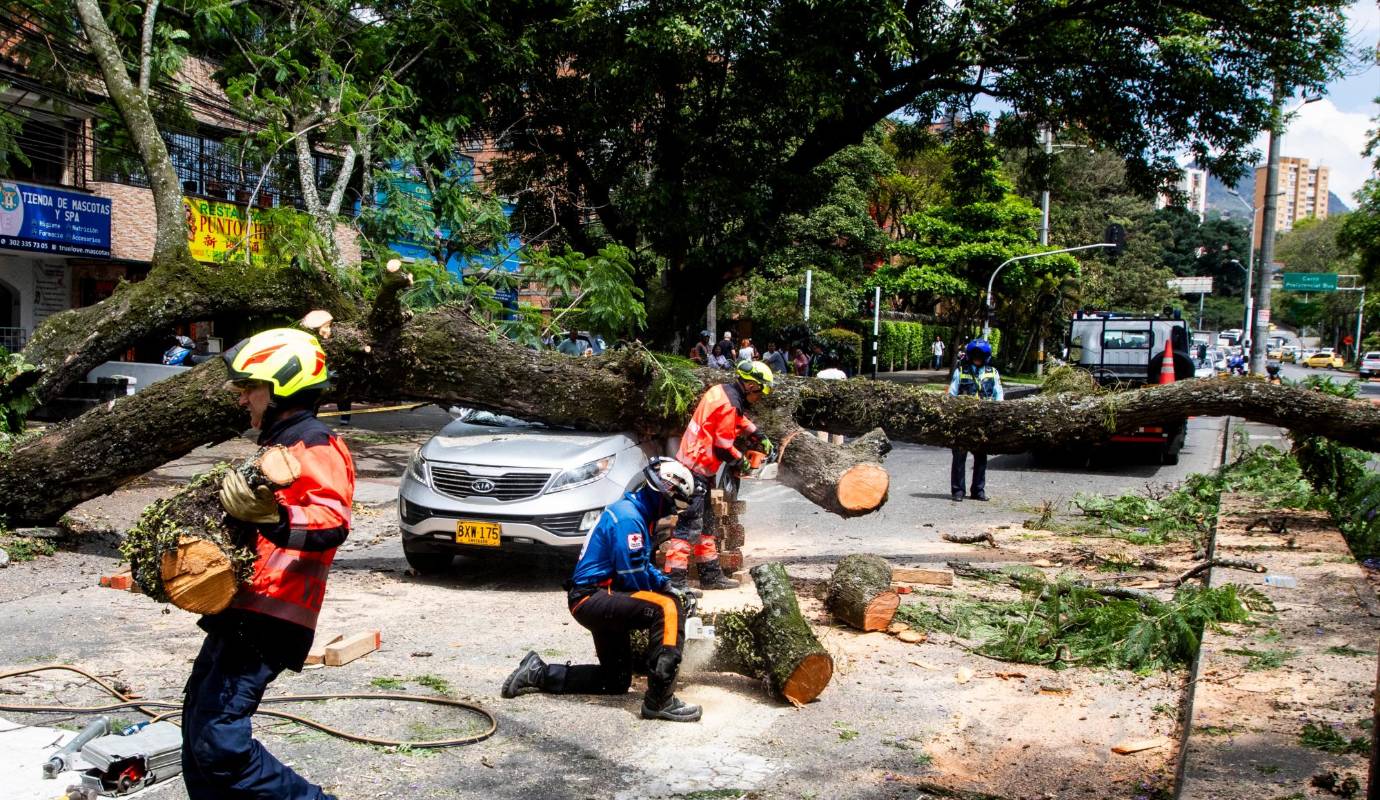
{"x": 482, "y": 485}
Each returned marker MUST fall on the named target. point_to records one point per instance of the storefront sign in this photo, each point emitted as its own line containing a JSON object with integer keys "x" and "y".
{"x": 215, "y": 231}
{"x": 37, "y": 219}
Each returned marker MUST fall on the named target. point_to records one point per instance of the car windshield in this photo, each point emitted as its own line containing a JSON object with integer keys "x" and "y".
{"x": 475, "y": 416}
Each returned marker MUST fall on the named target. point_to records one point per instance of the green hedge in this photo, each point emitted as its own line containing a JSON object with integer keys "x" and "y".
{"x": 906, "y": 345}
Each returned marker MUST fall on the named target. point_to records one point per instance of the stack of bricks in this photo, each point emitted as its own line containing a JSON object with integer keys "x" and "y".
{"x": 723, "y": 520}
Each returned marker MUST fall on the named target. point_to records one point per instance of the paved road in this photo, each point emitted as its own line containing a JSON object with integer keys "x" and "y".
{"x": 1294, "y": 372}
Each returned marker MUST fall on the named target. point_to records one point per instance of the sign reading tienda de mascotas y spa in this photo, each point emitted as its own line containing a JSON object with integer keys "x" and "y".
{"x": 42, "y": 220}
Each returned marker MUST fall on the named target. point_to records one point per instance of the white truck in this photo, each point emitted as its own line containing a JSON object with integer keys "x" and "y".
{"x": 1128, "y": 351}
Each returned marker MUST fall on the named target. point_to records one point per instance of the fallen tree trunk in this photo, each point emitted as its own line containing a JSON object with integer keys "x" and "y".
{"x": 909, "y": 414}
{"x": 775, "y": 643}
{"x": 860, "y": 592}
{"x": 445, "y": 357}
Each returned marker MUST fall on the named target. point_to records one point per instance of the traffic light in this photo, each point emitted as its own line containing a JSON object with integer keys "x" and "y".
{"x": 1115, "y": 236}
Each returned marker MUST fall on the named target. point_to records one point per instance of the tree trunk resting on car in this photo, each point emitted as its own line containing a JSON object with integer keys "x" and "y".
{"x": 444, "y": 357}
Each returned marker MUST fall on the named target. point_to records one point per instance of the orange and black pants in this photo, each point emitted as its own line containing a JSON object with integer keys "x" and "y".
{"x": 689, "y": 535}
{"x": 611, "y": 616}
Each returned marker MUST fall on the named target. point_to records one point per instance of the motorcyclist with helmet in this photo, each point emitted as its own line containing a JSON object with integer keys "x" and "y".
{"x": 616, "y": 589}
{"x": 974, "y": 377}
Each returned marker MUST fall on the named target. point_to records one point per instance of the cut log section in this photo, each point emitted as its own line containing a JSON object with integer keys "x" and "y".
{"x": 775, "y": 643}
{"x": 198, "y": 576}
{"x": 184, "y": 549}
{"x": 860, "y": 592}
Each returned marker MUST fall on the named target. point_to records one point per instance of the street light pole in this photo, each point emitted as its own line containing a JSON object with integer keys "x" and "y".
{"x": 1260, "y": 328}
{"x": 991, "y": 305}
{"x": 1250, "y": 265}
{"x": 1044, "y": 242}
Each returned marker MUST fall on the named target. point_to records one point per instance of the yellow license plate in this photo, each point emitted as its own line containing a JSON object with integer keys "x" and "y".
{"x": 481, "y": 534}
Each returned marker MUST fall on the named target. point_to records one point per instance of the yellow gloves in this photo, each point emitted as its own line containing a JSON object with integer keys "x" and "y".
{"x": 247, "y": 503}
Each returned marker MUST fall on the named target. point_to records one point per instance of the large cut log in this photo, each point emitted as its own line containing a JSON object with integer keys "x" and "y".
{"x": 775, "y": 643}
{"x": 184, "y": 550}
{"x": 860, "y": 592}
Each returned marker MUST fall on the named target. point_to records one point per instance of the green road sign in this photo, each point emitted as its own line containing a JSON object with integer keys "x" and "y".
{"x": 1310, "y": 281}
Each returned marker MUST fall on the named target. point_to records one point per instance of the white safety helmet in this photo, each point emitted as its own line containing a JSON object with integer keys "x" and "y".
{"x": 672, "y": 479}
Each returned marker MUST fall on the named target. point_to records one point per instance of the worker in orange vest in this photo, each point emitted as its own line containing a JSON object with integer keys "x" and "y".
{"x": 280, "y": 376}
{"x": 708, "y": 444}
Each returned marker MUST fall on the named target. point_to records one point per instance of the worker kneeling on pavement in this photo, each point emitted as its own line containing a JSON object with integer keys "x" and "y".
{"x": 617, "y": 589}
{"x": 708, "y": 444}
{"x": 280, "y": 375}
{"x": 974, "y": 377}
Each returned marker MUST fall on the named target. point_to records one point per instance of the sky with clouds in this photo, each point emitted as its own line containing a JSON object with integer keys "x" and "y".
{"x": 1333, "y": 131}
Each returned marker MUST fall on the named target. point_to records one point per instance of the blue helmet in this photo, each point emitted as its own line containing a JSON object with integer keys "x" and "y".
{"x": 978, "y": 346}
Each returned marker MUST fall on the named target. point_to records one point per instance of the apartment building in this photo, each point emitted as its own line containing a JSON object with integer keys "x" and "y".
{"x": 1192, "y": 189}
{"x": 1303, "y": 193}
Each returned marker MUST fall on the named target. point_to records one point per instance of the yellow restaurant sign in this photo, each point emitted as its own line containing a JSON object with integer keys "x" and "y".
{"x": 215, "y": 231}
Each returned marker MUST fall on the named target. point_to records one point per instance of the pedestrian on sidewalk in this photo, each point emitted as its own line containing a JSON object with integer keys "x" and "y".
{"x": 800, "y": 363}
{"x": 294, "y": 532}
{"x": 831, "y": 372}
{"x": 938, "y": 349}
{"x": 700, "y": 352}
{"x": 717, "y": 359}
{"x": 974, "y": 377}
{"x": 776, "y": 359}
{"x": 747, "y": 352}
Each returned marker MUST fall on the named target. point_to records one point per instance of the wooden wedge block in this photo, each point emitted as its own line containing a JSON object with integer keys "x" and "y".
{"x": 352, "y": 647}
{"x": 933, "y": 577}
{"x": 1137, "y": 745}
{"x": 317, "y": 653}
{"x": 737, "y": 507}
{"x": 121, "y": 580}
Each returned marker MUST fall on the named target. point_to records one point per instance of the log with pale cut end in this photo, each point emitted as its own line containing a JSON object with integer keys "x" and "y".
{"x": 797, "y": 665}
{"x": 860, "y": 592}
{"x": 183, "y": 550}
{"x": 846, "y": 480}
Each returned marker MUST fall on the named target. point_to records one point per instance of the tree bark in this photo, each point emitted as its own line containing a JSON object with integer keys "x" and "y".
{"x": 913, "y": 415}
{"x": 445, "y": 357}
{"x": 860, "y": 592}
{"x": 170, "y": 242}
{"x": 775, "y": 643}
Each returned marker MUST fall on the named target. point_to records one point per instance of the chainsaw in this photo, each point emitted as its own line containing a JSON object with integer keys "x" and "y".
{"x": 121, "y": 764}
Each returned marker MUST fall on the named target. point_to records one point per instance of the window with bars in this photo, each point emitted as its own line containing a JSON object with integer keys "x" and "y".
{"x": 214, "y": 168}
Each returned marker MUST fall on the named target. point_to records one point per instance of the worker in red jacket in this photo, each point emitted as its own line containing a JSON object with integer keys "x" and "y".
{"x": 709, "y": 442}
{"x": 280, "y": 375}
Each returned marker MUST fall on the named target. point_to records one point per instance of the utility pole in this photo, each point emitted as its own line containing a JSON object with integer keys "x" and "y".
{"x": 1250, "y": 266}
{"x": 876, "y": 327}
{"x": 808, "y": 276}
{"x": 711, "y": 319}
{"x": 1044, "y": 241}
{"x": 1260, "y": 324}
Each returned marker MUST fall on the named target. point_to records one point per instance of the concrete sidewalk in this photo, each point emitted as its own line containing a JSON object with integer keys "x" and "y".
{"x": 1310, "y": 662}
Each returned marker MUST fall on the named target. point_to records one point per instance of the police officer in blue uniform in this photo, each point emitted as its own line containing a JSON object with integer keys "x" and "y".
{"x": 616, "y": 589}
{"x": 974, "y": 376}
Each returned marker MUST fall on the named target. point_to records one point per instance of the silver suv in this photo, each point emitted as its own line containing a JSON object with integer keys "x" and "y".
{"x": 487, "y": 483}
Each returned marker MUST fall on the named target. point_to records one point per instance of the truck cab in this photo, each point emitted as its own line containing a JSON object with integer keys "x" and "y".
{"x": 1128, "y": 351}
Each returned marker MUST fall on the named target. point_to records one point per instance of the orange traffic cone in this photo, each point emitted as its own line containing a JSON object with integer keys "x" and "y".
{"x": 1167, "y": 368}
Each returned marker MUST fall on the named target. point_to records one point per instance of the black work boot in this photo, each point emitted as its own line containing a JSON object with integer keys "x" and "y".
{"x": 672, "y": 709}
{"x": 527, "y": 677}
{"x": 979, "y": 495}
{"x": 680, "y": 579}
{"x": 712, "y": 576}
{"x": 958, "y": 497}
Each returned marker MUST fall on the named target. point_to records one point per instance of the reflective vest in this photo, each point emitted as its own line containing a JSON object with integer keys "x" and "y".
{"x": 288, "y": 583}
{"x": 981, "y": 381}
{"x": 719, "y": 419}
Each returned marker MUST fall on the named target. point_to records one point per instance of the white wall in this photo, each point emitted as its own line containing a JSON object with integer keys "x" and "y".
{"x": 44, "y": 286}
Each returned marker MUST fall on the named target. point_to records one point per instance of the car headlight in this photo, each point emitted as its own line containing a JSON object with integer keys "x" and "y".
{"x": 581, "y": 475}
{"x": 417, "y": 468}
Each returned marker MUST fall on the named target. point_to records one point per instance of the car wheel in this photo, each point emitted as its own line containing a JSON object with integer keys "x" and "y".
{"x": 429, "y": 563}
{"x": 1169, "y": 459}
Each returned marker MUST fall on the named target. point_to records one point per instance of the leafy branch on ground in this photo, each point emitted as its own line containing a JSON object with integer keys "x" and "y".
{"x": 1189, "y": 510}
{"x": 1347, "y": 488}
{"x": 1330, "y": 740}
{"x": 1063, "y": 623}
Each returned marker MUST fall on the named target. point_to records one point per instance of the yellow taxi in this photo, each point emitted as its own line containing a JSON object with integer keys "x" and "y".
{"x": 1324, "y": 359}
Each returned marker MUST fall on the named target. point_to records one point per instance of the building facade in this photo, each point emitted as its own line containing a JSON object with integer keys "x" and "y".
{"x": 1303, "y": 193}
{"x": 1192, "y": 189}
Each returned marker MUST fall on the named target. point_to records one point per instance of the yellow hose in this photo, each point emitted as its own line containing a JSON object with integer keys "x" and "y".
{"x": 146, "y": 706}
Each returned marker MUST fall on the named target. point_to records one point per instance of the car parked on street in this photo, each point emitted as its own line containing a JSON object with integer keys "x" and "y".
{"x": 487, "y": 483}
{"x": 1324, "y": 358}
{"x": 1370, "y": 364}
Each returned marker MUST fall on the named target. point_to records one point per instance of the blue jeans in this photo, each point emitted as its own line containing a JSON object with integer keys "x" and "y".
{"x": 220, "y": 758}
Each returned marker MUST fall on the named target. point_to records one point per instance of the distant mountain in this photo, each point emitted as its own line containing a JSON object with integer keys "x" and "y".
{"x": 1220, "y": 199}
